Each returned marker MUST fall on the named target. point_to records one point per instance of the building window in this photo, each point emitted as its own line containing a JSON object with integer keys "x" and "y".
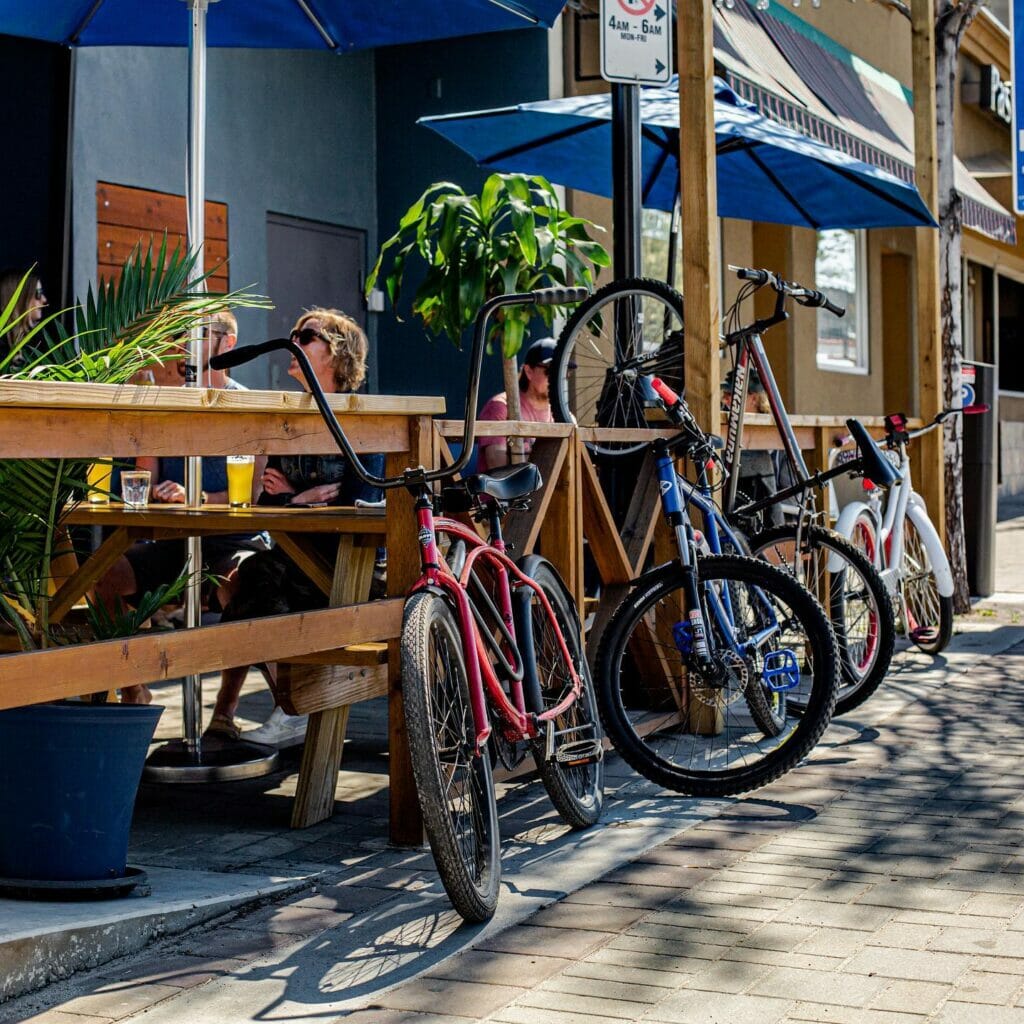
{"x": 840, "y": 271}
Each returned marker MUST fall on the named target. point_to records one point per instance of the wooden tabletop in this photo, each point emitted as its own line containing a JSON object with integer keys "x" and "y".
{"x": 223, "y": 519}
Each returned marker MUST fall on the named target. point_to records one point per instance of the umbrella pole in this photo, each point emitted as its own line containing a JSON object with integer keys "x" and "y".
{"x": 186, "y": 760}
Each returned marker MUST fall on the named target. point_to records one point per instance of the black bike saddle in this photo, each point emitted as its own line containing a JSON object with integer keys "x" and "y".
{"x": 506, "y": 483}
{"x": 877, "y": 468}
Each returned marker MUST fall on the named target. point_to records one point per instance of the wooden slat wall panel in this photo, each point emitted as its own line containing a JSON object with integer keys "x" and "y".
{"x": 125, "y": 216}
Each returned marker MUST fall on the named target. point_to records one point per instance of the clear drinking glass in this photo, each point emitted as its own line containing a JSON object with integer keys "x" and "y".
{"x": 240, "y": 474}
{"x": 135, "y": 488}
{"x": 98, "y": 478}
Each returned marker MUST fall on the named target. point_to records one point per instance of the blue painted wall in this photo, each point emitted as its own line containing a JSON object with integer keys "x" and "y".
{"x": 439, "y": 78}
{"x": 288, "y": 131}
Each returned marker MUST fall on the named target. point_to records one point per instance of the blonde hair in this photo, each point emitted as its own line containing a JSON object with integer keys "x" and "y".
{"x": 349, "y": 346}
{"x": 224, "y": 322}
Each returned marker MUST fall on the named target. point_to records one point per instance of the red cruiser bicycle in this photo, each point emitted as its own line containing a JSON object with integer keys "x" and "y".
{"x": 492, "y": 655}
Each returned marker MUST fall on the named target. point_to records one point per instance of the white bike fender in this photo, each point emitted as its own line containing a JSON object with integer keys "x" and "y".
{"x": 844, "y": 526}
{"x": 933, "y": 545}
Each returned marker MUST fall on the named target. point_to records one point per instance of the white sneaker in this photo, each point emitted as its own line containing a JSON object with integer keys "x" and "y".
{"x": 279, "y": 730}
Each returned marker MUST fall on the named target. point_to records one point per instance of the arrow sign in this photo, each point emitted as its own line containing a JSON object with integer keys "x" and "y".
{"x": 636, "y": 36}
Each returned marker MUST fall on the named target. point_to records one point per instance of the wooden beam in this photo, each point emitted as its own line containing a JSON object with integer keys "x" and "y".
{"x": 40, "y": 676}
{"x": 600, "y": 528}
{"x": 701, "y": 246}
{"x": 928, "y": 466}
{"x": 76, "y": 585}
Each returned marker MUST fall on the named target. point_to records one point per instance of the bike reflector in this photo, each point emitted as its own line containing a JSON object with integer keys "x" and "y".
{"x": 781, "y": 670}
{"x": 683, "y": 636}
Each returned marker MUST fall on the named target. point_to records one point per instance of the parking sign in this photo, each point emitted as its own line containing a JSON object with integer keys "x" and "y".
{"x": 636, "y": 41}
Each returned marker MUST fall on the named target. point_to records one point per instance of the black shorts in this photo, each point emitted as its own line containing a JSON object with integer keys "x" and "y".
{"x": 159, "y": 562}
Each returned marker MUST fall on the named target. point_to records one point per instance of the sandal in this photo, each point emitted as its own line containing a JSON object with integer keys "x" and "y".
{"x": 222, "y": 727}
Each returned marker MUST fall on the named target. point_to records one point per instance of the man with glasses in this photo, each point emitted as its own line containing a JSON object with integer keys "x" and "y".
{"x": 533, "y": 405}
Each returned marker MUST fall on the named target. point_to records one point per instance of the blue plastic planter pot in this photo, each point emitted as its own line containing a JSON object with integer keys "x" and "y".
{"x": 69, "y": 773}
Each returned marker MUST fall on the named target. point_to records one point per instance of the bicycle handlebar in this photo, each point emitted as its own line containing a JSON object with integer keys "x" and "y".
{"x": 805, "y": 296}
{"x": 539, "y": 297}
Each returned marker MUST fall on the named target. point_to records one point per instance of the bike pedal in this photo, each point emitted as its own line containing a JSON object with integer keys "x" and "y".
{"x": 579, "y": 753}
{"x": 781, "y": 670}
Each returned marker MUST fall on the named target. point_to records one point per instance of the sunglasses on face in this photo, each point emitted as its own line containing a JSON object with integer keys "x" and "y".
{"x": 306, "y": 337}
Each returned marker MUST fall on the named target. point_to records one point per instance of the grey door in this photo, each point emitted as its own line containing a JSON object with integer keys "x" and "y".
{"x": 310, "y": 263}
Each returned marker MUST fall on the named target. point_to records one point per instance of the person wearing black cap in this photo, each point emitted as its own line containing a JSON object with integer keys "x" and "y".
{"x": 533, "y": 405}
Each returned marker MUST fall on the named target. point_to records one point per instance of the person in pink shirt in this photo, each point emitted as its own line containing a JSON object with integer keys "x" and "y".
{"x": 533, "y": 403}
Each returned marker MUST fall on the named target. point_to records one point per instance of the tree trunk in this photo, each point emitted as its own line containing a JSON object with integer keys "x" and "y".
{"x": 952, "y": 23}
{"x": 510, "y": 372}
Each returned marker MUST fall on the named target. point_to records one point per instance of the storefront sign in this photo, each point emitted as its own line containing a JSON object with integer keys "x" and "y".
{"x": 1017, "y": 71}
{"x": 996, "y": 95}
{"x": 636, "y": 41}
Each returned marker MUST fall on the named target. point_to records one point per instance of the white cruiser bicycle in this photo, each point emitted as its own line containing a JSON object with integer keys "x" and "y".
{"x": 893, "y": 529}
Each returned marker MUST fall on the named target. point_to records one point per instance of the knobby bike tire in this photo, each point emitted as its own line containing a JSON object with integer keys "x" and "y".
{"x": 634, "y": 738}
{"x": 622, "y": 401}
{"x": 929, "y": 615}
{"x": 859, "y": 681}
{"x": 577, "y": 791}
{"x": 454, "y": 785}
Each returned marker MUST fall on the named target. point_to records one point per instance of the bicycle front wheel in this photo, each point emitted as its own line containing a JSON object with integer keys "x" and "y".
{"x": 929, "y": 615}
{"x": 625, "y": 331}
{"x": 697, "y": 734}
{"x": 454, "y": 784}
{"x": 844, "y": 580}
{"x": 573, "y": 774}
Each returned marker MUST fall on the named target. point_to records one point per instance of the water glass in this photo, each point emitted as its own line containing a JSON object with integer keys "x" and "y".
{"x": 135, "y": 488}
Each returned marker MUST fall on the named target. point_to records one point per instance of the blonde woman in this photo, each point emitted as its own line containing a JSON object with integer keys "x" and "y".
{"x": 270, "y": 583}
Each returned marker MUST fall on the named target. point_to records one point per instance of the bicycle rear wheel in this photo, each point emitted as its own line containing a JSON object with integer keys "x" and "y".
{"x": 698, "y": 735}
{"x": 574, "y": 774}
{"x": 624, "y": 331}
{"x": 454, "y": 784}
{"x": 842, "y": 577}
{"x": 929, "y": 615}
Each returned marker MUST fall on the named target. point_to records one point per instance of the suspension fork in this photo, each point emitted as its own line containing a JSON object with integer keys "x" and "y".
{"x": 675, "y": 515}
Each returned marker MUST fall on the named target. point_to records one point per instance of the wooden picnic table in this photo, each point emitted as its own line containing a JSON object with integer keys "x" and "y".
{"x": 51, "y": 420}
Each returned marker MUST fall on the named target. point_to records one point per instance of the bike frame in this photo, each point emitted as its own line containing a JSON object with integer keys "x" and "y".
{"x": 484, "y": 684}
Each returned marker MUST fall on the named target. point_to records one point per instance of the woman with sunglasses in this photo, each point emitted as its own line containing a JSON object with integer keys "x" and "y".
{"x": 270, "y": 583}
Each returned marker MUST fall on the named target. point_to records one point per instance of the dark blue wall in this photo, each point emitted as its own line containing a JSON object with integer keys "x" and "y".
{"x": 34, "y": 81}
{"x": 469, "y": 74}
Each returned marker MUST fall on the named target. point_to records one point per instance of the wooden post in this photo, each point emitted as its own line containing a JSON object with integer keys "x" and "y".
{"x": 406, "y": 822}
{"x": 928, "y": 463}
{"x": 701, "y": 245}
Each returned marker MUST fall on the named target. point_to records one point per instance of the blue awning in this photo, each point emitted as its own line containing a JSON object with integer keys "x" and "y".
{"x": 340, "y": 25}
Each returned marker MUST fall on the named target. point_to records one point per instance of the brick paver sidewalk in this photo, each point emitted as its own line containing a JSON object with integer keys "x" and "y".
{"x": 882, "y": 883}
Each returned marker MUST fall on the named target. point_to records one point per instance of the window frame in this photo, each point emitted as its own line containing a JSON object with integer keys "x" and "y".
{"x": 862, "y": 368}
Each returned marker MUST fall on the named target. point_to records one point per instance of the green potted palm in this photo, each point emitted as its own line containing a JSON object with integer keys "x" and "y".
{"x": 512, "y": 237}
{"x": 69, "y": 771}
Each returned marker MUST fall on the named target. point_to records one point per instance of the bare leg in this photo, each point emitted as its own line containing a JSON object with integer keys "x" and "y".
{"x": 118, "y": 584}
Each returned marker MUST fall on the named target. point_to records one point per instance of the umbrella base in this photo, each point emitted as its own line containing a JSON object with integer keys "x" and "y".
{"x": 215, "y": 762}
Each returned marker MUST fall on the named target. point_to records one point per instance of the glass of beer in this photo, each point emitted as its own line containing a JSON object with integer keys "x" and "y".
{"x": 240, "y": 473}
{"x": 98, "y": 478}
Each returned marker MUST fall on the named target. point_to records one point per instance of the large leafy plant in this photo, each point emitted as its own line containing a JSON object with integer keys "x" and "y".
{"x": 122, "y": 327}
{"x": 513, "y": 237}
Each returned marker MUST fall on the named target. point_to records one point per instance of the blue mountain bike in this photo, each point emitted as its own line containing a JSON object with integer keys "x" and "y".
{"x": 719, "y": 672}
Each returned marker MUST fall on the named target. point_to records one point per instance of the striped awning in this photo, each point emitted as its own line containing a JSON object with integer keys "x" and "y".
{"x": 799, "y": 77}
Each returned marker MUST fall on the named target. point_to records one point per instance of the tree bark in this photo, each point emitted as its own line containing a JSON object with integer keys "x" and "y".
{"x": 953, "y": 20}
{"x": 510, "y": 373}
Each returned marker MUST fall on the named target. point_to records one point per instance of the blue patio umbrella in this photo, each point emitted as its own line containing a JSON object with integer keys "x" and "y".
{"x": 766, "y": 171}
{"x": 337, "y": 25}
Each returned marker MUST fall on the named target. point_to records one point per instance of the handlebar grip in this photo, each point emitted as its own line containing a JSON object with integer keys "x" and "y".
{"x": 833, "y": 308}
{"x": 238, "y": 356}
{"x": 560, "y": 296}
{"x": 751, "y": 274}
{"x": 664, "y": 392}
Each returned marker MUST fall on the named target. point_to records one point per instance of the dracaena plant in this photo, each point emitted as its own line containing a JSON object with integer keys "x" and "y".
{"x": 122, "y": 327}
{"x": 512, "y": 237}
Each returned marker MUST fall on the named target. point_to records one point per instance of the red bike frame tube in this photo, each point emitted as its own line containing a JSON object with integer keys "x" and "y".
{"x": 481, "y": 676}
